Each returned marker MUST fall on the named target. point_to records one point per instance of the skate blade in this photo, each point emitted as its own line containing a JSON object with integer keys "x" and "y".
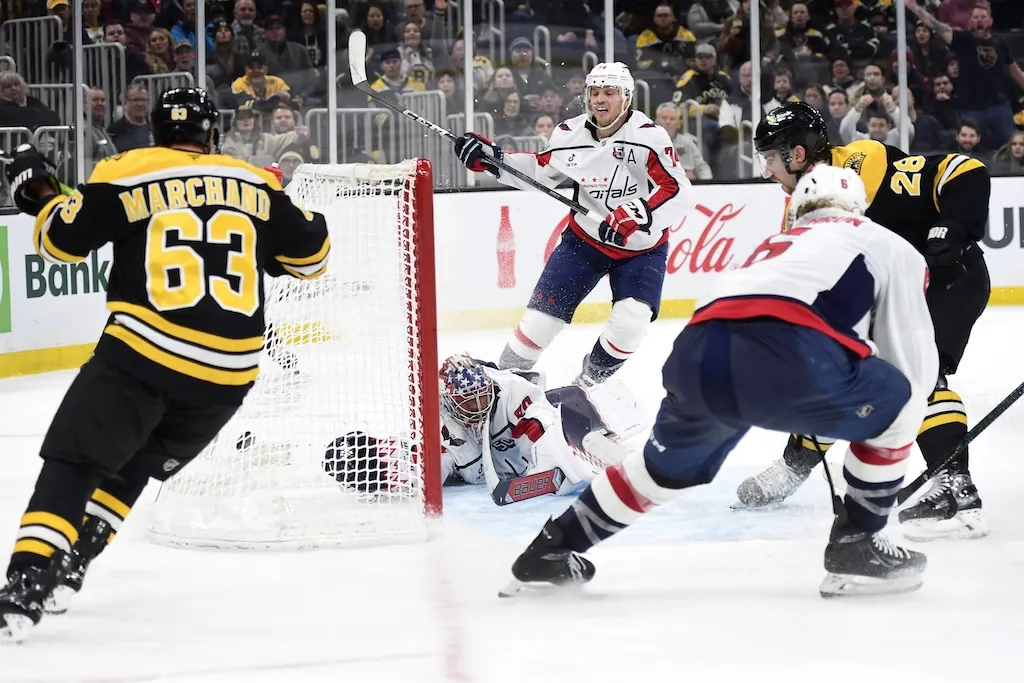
{"x": 14, "y": 628}
{"x": 964, "y": 526}
{"x": 852, "y": 585}
{"x": 59, "y": 600}
{"x": 525, "y": 589}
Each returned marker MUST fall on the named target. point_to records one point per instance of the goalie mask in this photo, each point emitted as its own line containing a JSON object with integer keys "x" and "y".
{"x": 467, "y": 392}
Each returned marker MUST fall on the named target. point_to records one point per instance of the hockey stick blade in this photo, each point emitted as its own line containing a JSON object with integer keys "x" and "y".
{"x": 528, "y": 486}
{"x": 357, "y": 69}
{"x": 911, "y": 488}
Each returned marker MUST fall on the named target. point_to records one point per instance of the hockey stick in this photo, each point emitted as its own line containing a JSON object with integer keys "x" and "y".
{"x": 909, "y": 490}
{"x": 528, "y": 486}
{"x": 357, "y": 68}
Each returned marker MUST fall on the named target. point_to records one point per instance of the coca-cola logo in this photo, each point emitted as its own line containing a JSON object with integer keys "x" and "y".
{"x": 706, "y": 251}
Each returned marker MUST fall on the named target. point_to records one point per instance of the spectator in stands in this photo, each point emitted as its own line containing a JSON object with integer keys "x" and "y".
{"x": 918, "y": 83}
{"x": 880, "y": 129}
{"x": 985, "y": 61}
{"x": 225, "y": 63}
{"x": 185, "y": 28}
{"x": 955, "y": 13}
{"x": 943, "y": 105}
{"x": 453, "y": 95}
{"x": 377, "y": 28}
{"x": 112, "y": 9}
{"x": 928, "y": 137}
{"x": 531, "y": 76}
{"x": 815, "y": 96}
{"x": 311, "y": 33}
{"x": 705, "y": 84}
{"x": 511, "y": 121}
{"x": 667, "y": 47}
{"x": 1009, "y": 160}
{"x": 953, "y": 69}
{"x": 265, "y": 90}
{"x": 282, "y": 120}
{"x": 91, "y": 20}
{"x": 132, "y": 130}
{"x": 483, "y": 70}
{"x": 867, "y": 106}
{"x": 838, "y": 106}
{"x": 782, "y": 90}
{"x": 18, "y": 109}
{"x": 137, "y": 32}
{"x": 552, "y": 101}
{"x": 160, "y": 52}
{"x": 288, "y": 162}
{"x": 134, "y": 63}
{"x": 572, "y": 24}
{"x": 873, "y": 89}
{"x": 544, "y": 126}
{"x": 735, "y": 39}
{"x": 968, "y": 141}
{"x": 706, "y": 20}
{"x": 930, "y": 53}
{"x": 575, "y": 88}
{"x": 432, "y": 26}
{"x": 97, "y": 140}
{"x": 245, "y": 140}
{"x": 415, "y": 52}
{"x": 799, "y": 41}
{"x": 391, "y": 82}
{"x": 248, "y": 36}
{"x": 502, "y": 82}
{"x": 877, "y": 12}
{"x": 848, "y": 36}
{"x": 685, "y": 144}
{"x": 740, "y": 97}
{"x": 287, "y": 60}
{"x": 843, "y": 78}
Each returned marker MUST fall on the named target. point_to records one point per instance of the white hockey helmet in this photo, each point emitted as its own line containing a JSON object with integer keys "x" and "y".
{"x": 610, "y": 75}
{"x": 828, "y": 187}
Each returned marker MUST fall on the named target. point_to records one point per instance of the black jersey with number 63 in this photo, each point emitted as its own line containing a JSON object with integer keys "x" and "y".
{"x": 192, "y": 236}
{"x": 910, "y": 194}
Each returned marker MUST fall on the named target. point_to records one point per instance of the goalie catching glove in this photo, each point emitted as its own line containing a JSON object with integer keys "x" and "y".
{"x": 478, "y": 153}
{"x": 30, "y": 175}
{"x": 626, "y": 219}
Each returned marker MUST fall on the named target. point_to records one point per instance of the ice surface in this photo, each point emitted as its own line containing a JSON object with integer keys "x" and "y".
{"x": 694, "y": 592}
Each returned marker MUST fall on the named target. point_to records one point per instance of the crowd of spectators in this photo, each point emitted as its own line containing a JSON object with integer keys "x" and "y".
{"x": 266, "y": 64}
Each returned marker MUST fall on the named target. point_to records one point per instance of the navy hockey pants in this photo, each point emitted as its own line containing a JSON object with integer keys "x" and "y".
{"x": 723, "y": 377}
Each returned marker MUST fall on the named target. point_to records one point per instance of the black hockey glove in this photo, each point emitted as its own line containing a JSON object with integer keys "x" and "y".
{"x": 478, "y": 153}
{"x": 942, "y": 253}
{"x": 27, "y": 173}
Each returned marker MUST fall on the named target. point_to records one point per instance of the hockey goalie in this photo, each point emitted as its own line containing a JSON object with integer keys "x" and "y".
{"x": 502, "y": 429}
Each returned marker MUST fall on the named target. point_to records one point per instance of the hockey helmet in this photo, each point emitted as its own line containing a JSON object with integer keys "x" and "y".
{"x": 467, "y": 391}
{"x": 185, "y": 115}
{"x": 828, "y": 187}
{"x": 610, "y": 75}
{"x": 792, "y": 124}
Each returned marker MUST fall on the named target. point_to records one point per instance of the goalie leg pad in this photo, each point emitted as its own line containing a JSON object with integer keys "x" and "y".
{"x": 535, "y": 333}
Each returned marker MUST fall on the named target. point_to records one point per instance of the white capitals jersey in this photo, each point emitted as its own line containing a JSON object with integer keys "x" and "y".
{"x": 851, "y": 279}
{"x": 637, "y": 162}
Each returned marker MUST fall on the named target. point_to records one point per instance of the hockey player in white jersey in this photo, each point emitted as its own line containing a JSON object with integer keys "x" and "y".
{"x": 824, "y": 330}
{"x": 502, "y": 429}
{"x": 624, "y": 167}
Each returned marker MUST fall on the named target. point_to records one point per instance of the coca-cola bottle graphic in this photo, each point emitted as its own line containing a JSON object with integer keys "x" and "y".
{"x": 506, "y": 252}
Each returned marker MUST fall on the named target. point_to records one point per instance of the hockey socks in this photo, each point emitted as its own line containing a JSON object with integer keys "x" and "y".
{"x": 943, "y": 428}
{"x": 51, "y": 521}
{"x": 802, "y": 455}
{"x": 873, "y": 478}
{"x": 615, "y": 499}
{"x": 114, "y": 497}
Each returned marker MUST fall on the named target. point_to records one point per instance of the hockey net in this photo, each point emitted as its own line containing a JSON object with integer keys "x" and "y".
{"x": 338, "y": 441}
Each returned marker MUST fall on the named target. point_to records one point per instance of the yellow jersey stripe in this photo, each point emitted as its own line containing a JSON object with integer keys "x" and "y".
{"x": 944, "y": 395}
{"x": 58, "y": 254}
{"x": 966, "y": 164}
{"x": 180, "y": 365}
{"x": 943, "y": 419}
{"x": 44, "y": 216}
{"x": 307, "y": 260}
{"x": 304, "y": 276}
{"x": 211, "y": 341}
{"x": 55, "y": 522}
{"x": 113, "y": 504}
{"x": 36, "y": 547}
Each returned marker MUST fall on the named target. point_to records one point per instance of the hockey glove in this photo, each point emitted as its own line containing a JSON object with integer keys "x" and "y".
{"x": 624, "y": 221}
{"x": 942, "y": 253}
{"x": 478, "y": 153}
{"x": 275, "y": 170}
{"x": 30, "y": 176}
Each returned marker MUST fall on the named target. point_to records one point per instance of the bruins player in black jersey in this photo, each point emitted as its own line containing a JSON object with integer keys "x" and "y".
{"x": 940, "y": 205}
{"x": 193, "y": 233}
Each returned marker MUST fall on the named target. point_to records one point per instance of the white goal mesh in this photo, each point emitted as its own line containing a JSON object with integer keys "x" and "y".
{"x": 349, "y": 372}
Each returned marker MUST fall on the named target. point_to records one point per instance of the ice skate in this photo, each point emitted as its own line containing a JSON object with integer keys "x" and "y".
{"x": 950, "y": 509}
{"x": 91, "y": 541}
{"x": 774, "y": 485}
{"x": 591, "y": 375}
{"x": 862, "y": 563}
{"x": 547, "y": 562}
{"x": 22, "y": 599}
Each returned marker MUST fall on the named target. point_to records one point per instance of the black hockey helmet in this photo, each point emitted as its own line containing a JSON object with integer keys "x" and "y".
{"x": 183, "y": 115}
{"x": 792, "y": 124}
